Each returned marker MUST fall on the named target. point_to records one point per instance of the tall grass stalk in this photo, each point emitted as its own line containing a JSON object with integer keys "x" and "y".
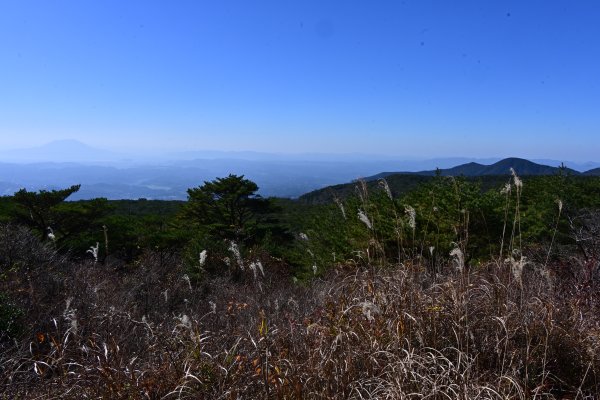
{"x": 560, "y": 207}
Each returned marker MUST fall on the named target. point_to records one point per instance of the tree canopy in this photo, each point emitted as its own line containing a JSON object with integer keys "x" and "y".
{"x": 227, "y": 207}
{"x": 37, "y": 209}
{"x": 72, "y": 224}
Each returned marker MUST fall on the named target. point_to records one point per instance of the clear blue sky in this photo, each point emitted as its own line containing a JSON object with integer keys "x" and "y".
{"x": 416, "y": 78}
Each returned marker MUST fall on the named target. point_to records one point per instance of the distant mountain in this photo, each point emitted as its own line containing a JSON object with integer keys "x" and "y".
{"x": 60, "y": 151}
{"x": 522, "y": 167}
{"x": 502, "y": 167}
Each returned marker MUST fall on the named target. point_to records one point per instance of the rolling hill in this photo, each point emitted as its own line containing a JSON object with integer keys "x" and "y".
{"x": 592, "y": 172}
{"x": 502, "y": 167}
{"x": 402, "y": 182}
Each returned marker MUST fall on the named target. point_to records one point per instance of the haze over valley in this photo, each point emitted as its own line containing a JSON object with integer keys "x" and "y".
{"x": 167, "y": 176}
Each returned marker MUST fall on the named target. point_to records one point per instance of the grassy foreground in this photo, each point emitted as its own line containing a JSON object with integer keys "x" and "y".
{"x": 397, "y": 299}
{"x": 503, "y": 330}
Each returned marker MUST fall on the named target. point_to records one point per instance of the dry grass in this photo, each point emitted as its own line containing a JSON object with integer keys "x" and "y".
{"x": 361, "y": 333}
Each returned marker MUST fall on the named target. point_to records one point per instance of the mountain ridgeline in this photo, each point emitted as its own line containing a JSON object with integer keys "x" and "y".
{"x": 488, "y": 175}
{"x": 593, "y": 172}
{"x": 502, "y": 167}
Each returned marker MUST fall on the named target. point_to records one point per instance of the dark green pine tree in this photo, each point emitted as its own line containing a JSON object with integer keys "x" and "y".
{"x": 73, "y": 225}
{"x": 228, "y": 208}
{"x": 38, "y": 209}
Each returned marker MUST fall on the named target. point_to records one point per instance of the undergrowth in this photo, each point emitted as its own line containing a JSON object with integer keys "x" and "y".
{"x": 525, "y": 324}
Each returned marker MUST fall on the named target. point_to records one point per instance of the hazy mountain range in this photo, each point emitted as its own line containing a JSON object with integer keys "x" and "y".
{"x": 115, "y": 175}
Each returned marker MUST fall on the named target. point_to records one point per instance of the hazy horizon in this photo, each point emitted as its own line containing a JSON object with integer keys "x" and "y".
{"x": 168, "y": 175}
{"x": 412, "y": 79}
{"x": 22, "y": 154}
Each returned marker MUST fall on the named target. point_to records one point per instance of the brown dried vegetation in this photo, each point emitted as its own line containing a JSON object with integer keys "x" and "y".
{"x": 396, "y": 332}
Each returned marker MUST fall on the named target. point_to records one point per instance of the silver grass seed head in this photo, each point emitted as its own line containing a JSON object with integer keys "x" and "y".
{"x": 506, "y": 189}
{"x": 459, "y": 258}
{"x": 412, "y": 216}
{"x": 202, "y": 258}
{"x": 384, "y": 185}
{"x": 364, "y": 219}
{"x": 516, "y": 180}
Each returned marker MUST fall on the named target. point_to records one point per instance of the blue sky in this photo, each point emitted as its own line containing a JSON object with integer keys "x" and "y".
{"x": 405, "y": 78}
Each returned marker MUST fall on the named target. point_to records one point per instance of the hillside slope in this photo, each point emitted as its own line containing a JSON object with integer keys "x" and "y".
{"x": 402, "y": 182}
{"x": 592, "y": 172}
{"x": 502, "y": 167}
